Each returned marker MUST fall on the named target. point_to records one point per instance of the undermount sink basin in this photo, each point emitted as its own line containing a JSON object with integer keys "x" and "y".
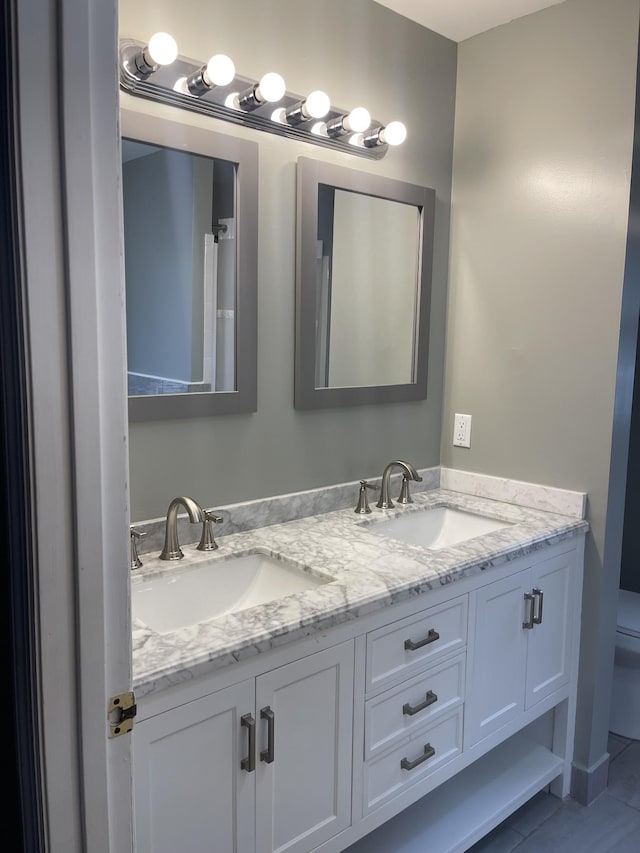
{"x": 437, "y": 528}
{"x": 216, "y": 588}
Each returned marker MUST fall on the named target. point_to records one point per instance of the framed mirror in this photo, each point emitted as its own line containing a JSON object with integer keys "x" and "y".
{"x": 363, "y": 286}
{"x": 190, "y": 209}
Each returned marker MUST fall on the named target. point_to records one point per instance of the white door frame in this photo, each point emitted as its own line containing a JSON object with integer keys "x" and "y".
{"x": 73, "y": 258}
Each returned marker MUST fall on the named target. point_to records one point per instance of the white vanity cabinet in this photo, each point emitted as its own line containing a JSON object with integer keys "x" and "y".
{"x": 303, "y": 789}
{"x": 519, "y": 653}
{"x": 505, "y": 727}
{"x": 264, "y": 765}
{"x": 189, "y": 789}
{"x": 420, "y": 726}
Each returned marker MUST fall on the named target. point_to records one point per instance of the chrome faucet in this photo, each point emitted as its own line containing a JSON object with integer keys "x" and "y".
{"x": 134, "y": 535}
{"x": 171, "y": 550}
{"x": 409, "y": 472}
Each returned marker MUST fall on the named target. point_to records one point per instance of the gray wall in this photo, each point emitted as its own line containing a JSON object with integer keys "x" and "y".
{"x": 359, "y": 52}
{"x": 542, "y": 159}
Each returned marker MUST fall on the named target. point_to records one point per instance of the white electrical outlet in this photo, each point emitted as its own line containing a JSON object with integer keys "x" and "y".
{"x": 462, "y": 430}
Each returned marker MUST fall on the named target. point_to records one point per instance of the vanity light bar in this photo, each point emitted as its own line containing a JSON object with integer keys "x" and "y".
{"x": 156, "y": 71}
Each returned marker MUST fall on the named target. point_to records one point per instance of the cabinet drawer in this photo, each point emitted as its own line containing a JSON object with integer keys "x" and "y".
{"x": 402, "y": 710}
{"x": 397, "y": 651}
{"x": 412, "y": 761}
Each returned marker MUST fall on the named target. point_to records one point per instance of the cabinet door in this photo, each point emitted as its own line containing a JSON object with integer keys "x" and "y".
{"x": 548, "y": 642}
{"x": 496, "y": 657}
{"x": 303, "y": 795}
{"x": 190, "y": 792}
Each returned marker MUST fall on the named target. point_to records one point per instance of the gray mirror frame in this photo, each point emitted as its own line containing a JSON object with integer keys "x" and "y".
{"x": 187, "y": 137}
{"x": 310, "y": 174}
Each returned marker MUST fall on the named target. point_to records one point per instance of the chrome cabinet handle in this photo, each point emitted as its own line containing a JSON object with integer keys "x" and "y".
{"x": 249, "y": 763}
{"x": 428, "y": 753}
{"x": 537, "y": 620}
{"x": 429, "y": 699}
{"x": 431, "y": 637}
{"x": 267, "y": 714}
{"x": 530, "y": 603}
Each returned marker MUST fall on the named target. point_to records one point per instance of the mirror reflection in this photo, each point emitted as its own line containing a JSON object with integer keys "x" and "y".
{"x": 367, "y": 288}
{"x": 180, "y": 270}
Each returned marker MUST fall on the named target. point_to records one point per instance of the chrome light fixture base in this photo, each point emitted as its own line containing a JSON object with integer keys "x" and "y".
{"x": 167, "y": 85}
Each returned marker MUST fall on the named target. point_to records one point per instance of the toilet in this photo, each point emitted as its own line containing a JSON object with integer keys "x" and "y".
{"x": 625, "y": 699}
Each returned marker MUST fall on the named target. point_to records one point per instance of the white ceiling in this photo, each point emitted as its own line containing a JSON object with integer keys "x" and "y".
{"x": 461, "y": 19}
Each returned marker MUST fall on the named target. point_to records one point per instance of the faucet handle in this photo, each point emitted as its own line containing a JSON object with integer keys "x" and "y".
{"x": 134, "y": 535}
{"x": 207, "y": 542}
{"x": 363, "y": 504}
{"x": 405, "y": 495}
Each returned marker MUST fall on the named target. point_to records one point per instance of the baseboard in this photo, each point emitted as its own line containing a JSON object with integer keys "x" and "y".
{"x": 587, "y": 783}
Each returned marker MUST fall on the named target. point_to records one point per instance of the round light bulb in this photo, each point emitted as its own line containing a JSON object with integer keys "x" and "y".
{"x": 181, "y": 86}
{"x": 317, "y": 104}
{"x": 320, "y": 129}
{"x": 271, "y": 87}
{"x": 279, "y": 115}
{"x": 358, "y": 120}
{"x": 162, "y": 48}
{"x": 394, "y": 133}
{"x": 220, "y": 70}
{"x": 231, "y": 101}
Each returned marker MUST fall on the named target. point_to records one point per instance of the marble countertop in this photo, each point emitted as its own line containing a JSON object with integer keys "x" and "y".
{"x": 370, "y": 572}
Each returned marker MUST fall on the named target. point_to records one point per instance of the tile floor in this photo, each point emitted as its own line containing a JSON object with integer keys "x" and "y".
{"x": 611, "y": 824}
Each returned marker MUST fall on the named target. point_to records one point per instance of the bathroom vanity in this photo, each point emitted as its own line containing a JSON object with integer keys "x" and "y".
{"x": 412, "y": 695}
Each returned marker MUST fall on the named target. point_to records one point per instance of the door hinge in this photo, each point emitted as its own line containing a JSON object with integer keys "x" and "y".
{"x": 121, "y": 711}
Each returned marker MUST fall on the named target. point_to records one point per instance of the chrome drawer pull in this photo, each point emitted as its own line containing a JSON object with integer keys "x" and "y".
{"x": 267, "y": 754}
{"x": 428, "y": 753}
{"x": 249, "y": 763}
{"x": 410, "y": 710}
{"x": 431, "y": 637}
{"x": 537, "y": 620}
{"x": 530, "y": 601}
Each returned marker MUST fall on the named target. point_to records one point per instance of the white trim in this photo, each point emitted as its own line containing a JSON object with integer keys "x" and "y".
{"x": 69, "y": 133}
{"x": 46, "y": 342}
{"x": 95, "y": 266}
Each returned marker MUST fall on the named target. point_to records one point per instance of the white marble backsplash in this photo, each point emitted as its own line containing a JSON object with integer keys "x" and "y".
{"x": 263, "y": 512}
{"x": 545, "y": 498}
